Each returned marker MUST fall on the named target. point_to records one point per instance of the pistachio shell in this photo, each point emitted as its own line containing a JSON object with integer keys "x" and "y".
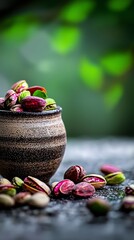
{"x": 83, "y": 189}
{"x": 108, "y": 168}
{"x": 33, "y": 104}
{"x": 6, "y": 201}
{"x": 39, "y": 200}
{"x": 95, "y": 180}
{"x": 50, "y": 104}
{"x": 20, "y": 86}
{"x": 16, "y": 108}
{"x": 2, "y": 100}
{"x": 115, "y": 178}
{"x": 98, "y": 206}
{"x": 8, "y": 189}
{"x": 127, "y": 204}
{"x": 17, "y": 182}
{"x": 10, "y": 99}
{"x": 4, "y": 181}
{"x": 22, "y": 198}
{"x": 23, "y": 94}
{"x": 75, "y": 173}
{"x": 34, "y": 185}
{"x": 63, "y": 188}
{"x": 129, "y": 190}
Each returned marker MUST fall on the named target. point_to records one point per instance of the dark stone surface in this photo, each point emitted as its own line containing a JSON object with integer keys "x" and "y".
{"x": 69, "y": 219}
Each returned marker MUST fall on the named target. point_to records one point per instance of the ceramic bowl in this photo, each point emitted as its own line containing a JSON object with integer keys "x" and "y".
{"x": 31, "y": 143}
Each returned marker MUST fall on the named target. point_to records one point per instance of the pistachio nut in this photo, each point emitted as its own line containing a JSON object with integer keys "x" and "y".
{"x": 115, "y": 178}
{"x": 22, "y": 198}
{"x": 98, "y": 206}
{"x": 63, "y": 188}
{"x": 33, "y": 104}
{"x": 33, "y": 185}
{"x": 8, "y": 189}
{"x": 22, "y": 95}
{"x": 108, "y": 168}
{"x": 83, "y": 189}
{"x": 6, "y": 201}
{"x": 50, "y": 104}
{"x": 33, "y": 89}
{"x": 75, "y": 173}
{"x": 10, "y": 99}
{"x": 129, "y": 190}
{"x": 127, "y": 204}
{"x": 2, "y": 100}
{"x": 17, "y": 182}
{"x": 4, "y": 181}
{"x": 95, "y": 180}
{"x": 38, "y": 200}
{"x": 16, "y": 108}
{"x": 20, "y": 86}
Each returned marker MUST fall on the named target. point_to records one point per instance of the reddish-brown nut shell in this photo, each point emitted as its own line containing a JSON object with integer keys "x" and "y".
{"x": 84, "y": 190}
{"x": 33, "y": 104}
{"x": 75, "y": 173}
{"x": 35, "y": 88}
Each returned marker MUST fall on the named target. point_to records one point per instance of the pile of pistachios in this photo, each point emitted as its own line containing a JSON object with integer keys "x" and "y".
{"x": 22, "y": 98}
{"x": 76, "y": 182}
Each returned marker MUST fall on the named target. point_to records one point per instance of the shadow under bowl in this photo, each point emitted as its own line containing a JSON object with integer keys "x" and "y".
{"x": 31, "y": 143}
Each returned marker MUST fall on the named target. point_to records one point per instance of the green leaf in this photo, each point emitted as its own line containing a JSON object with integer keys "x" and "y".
{"x": 117, "y": 63}
{"x": 113, "y": 95}
{"x": 77, "y": 11}
{"x": 65, "y": 39}
{"x": 118, "y": 5}
{"x": 91, "y": 74}
{"x": 39, "y": 93}
{"x": 20, "y": 29}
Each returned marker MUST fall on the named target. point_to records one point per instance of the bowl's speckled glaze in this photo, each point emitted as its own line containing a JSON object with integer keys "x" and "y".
{"x": 31, "y": 143}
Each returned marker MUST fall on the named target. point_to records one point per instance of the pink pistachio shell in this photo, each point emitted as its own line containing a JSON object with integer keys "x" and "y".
{"x": 108, "y": 168}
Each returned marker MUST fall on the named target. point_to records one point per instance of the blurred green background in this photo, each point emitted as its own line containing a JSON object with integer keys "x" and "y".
{"x": 81, "y": 51}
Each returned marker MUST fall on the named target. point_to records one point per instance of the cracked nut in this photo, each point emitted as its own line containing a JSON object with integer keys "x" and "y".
{"x": 95, "y": 180}
{"x": 8, "y": 189}
{"x": 17, "y": 182}
{"x": 33, "y": 185}
{"x": 115, "y": 178}
{"x": 10, "y": 99}
{"x": 75, "y": 173}
{"x": 20, "y": 86}
{"x": 127, "y": 204}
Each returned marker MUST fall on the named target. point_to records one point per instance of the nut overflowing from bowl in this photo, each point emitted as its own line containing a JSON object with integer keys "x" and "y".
{"x": 21, "y": 98}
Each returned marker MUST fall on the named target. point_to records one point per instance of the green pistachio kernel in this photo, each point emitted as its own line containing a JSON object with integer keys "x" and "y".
{"x": 50, "y": 104}
{"x": 115, "y": 178}
{"x": 22, "y": 95}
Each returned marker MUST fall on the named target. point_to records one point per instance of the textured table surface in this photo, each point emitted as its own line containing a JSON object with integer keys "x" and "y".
{"x": 66, "y": 219}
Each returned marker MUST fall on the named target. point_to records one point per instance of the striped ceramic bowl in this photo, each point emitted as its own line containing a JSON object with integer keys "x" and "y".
{"x": 31, "y": 143}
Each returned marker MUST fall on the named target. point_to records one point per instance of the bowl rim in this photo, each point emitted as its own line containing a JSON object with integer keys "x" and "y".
{"x": 30, "y": 114}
